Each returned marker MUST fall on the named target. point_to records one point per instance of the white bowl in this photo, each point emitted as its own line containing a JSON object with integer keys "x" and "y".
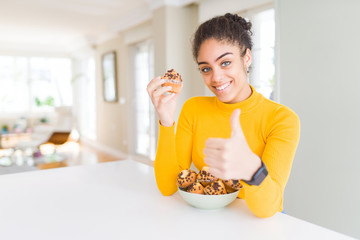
{"x": 208, "y": 201}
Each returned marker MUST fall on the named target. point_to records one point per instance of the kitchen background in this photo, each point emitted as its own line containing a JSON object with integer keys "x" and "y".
{"x": 306, "y": 56}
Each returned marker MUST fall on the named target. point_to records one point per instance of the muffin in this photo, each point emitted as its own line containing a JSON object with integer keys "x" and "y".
{"x": 215, "y": 188}
{"x": 195, "y": 187}
{"x": 233, "y": 183}
{"x": 173, "y": 79}
{"x": 185, "y": 178}
{"x": 205, "y": 177}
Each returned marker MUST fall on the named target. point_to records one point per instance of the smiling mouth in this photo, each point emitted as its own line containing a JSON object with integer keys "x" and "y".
{"x": 223, "y": 87}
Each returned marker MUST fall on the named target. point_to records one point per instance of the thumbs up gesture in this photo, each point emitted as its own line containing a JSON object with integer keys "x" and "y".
{"x": 231, "y": 158}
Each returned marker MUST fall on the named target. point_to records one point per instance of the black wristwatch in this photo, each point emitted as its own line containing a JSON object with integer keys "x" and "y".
{"x": 258, "y": 176}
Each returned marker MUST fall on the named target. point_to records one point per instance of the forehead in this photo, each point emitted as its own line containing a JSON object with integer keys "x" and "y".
{"x": 210, "y": 49}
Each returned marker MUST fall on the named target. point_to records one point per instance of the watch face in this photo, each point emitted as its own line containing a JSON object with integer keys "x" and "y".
{"x": 259, "y": 176}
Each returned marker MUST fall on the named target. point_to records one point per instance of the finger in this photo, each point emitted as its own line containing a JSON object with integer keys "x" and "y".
{"x": 236, "y": 129}
{"x": 167, "y": 98}
{"x": 213, "y": 162}
{"x": 215, "y": 143}
{"x": 161, "y": 91}
{"x": 220, "y": 173}
{"x": 154, "y": 84}
{"x": 157, "y": 95}
{"x": 217, "y": 172}
{"x": 211, "y": 152}
{"x": 176, "y": 95}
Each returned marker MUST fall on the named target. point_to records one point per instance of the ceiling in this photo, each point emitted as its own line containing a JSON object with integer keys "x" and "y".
{"x": 58, "y": 26}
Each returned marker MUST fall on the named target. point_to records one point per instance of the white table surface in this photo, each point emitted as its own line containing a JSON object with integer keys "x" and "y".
{"x": 120, "y": 200}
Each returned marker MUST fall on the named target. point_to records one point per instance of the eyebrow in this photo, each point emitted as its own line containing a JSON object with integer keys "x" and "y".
{"x": 217, "y": 59}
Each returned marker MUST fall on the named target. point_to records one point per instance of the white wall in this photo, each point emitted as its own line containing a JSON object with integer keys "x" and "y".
{"x": 212, "y": 8}
{"x": 319, "y": 64}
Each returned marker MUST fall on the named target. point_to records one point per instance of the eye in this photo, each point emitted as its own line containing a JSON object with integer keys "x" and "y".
{"x": 205, "y": 69}
{"x": 226, "y": 63}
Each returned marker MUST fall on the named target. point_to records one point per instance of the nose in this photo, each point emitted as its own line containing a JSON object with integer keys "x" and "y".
{"x": 217, "y": 75}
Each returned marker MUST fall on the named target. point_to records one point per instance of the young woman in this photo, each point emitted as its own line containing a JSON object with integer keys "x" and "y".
{"x": 238, "y": 133}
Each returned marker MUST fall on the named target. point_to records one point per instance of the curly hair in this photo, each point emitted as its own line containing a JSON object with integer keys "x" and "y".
{"x": 229, "y": 28}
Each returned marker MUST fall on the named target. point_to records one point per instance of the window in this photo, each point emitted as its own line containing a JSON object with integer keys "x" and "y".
{"x": 144, "y": 116}
{"x": 34, "y": 84}
{"x": 14, "y": 93}
{"x": 262, "y": 71}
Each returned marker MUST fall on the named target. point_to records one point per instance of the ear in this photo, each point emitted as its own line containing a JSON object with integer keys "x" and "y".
{"x": 247, "y": 58}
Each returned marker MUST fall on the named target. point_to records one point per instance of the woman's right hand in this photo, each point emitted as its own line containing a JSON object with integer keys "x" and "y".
{"x": 165, "y": 105}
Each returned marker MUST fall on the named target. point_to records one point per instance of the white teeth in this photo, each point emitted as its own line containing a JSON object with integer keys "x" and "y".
{"x": 223, "y": 86}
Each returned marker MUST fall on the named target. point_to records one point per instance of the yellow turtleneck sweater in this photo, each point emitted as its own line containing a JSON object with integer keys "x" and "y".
{"x": 271, "y": 130}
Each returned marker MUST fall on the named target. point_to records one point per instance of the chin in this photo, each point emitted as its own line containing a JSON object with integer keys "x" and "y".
{"x": 224, "y": 99}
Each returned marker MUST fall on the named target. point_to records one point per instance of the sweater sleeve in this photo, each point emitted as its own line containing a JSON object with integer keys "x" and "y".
{"x": 173, "y": 152}
{"x": 283, "y": 137}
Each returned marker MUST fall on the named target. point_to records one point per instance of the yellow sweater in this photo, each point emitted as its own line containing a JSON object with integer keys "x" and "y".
{"x": 271, "y": 130}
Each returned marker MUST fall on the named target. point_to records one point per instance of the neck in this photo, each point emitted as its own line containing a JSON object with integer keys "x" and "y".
{"x": 244, "y": 94}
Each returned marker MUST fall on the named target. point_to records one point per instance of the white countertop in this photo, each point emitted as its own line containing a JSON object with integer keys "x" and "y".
{"x": 120, "y": 200}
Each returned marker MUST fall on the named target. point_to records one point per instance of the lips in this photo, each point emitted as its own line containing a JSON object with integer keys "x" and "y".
{"x": 223, "y": 86}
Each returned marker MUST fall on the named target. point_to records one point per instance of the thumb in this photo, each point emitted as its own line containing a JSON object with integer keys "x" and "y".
{"x": 236, "y": 129}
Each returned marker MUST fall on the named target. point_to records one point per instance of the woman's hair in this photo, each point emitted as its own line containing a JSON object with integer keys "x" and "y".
{"x": 229, "y": 28}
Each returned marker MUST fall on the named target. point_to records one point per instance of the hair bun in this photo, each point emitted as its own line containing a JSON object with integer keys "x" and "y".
{"x": 236, "y": 18}
{"x": 231, "y": 28}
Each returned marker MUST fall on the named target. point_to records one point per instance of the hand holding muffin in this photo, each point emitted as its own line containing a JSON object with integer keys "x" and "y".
{"x": 165, "y": 104}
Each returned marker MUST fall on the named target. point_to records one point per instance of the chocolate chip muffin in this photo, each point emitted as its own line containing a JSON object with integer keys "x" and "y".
{"x": 195, "y": 187}
{"x": 215, "y": 188}
{"x": 233, "y": 183}
{"x": 205, "y": 177}
{"x": 185, "y": 178}
{"x": 173, "y": 79}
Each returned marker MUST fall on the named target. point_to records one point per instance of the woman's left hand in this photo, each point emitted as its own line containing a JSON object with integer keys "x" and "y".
{"x": 231, "y": 158}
